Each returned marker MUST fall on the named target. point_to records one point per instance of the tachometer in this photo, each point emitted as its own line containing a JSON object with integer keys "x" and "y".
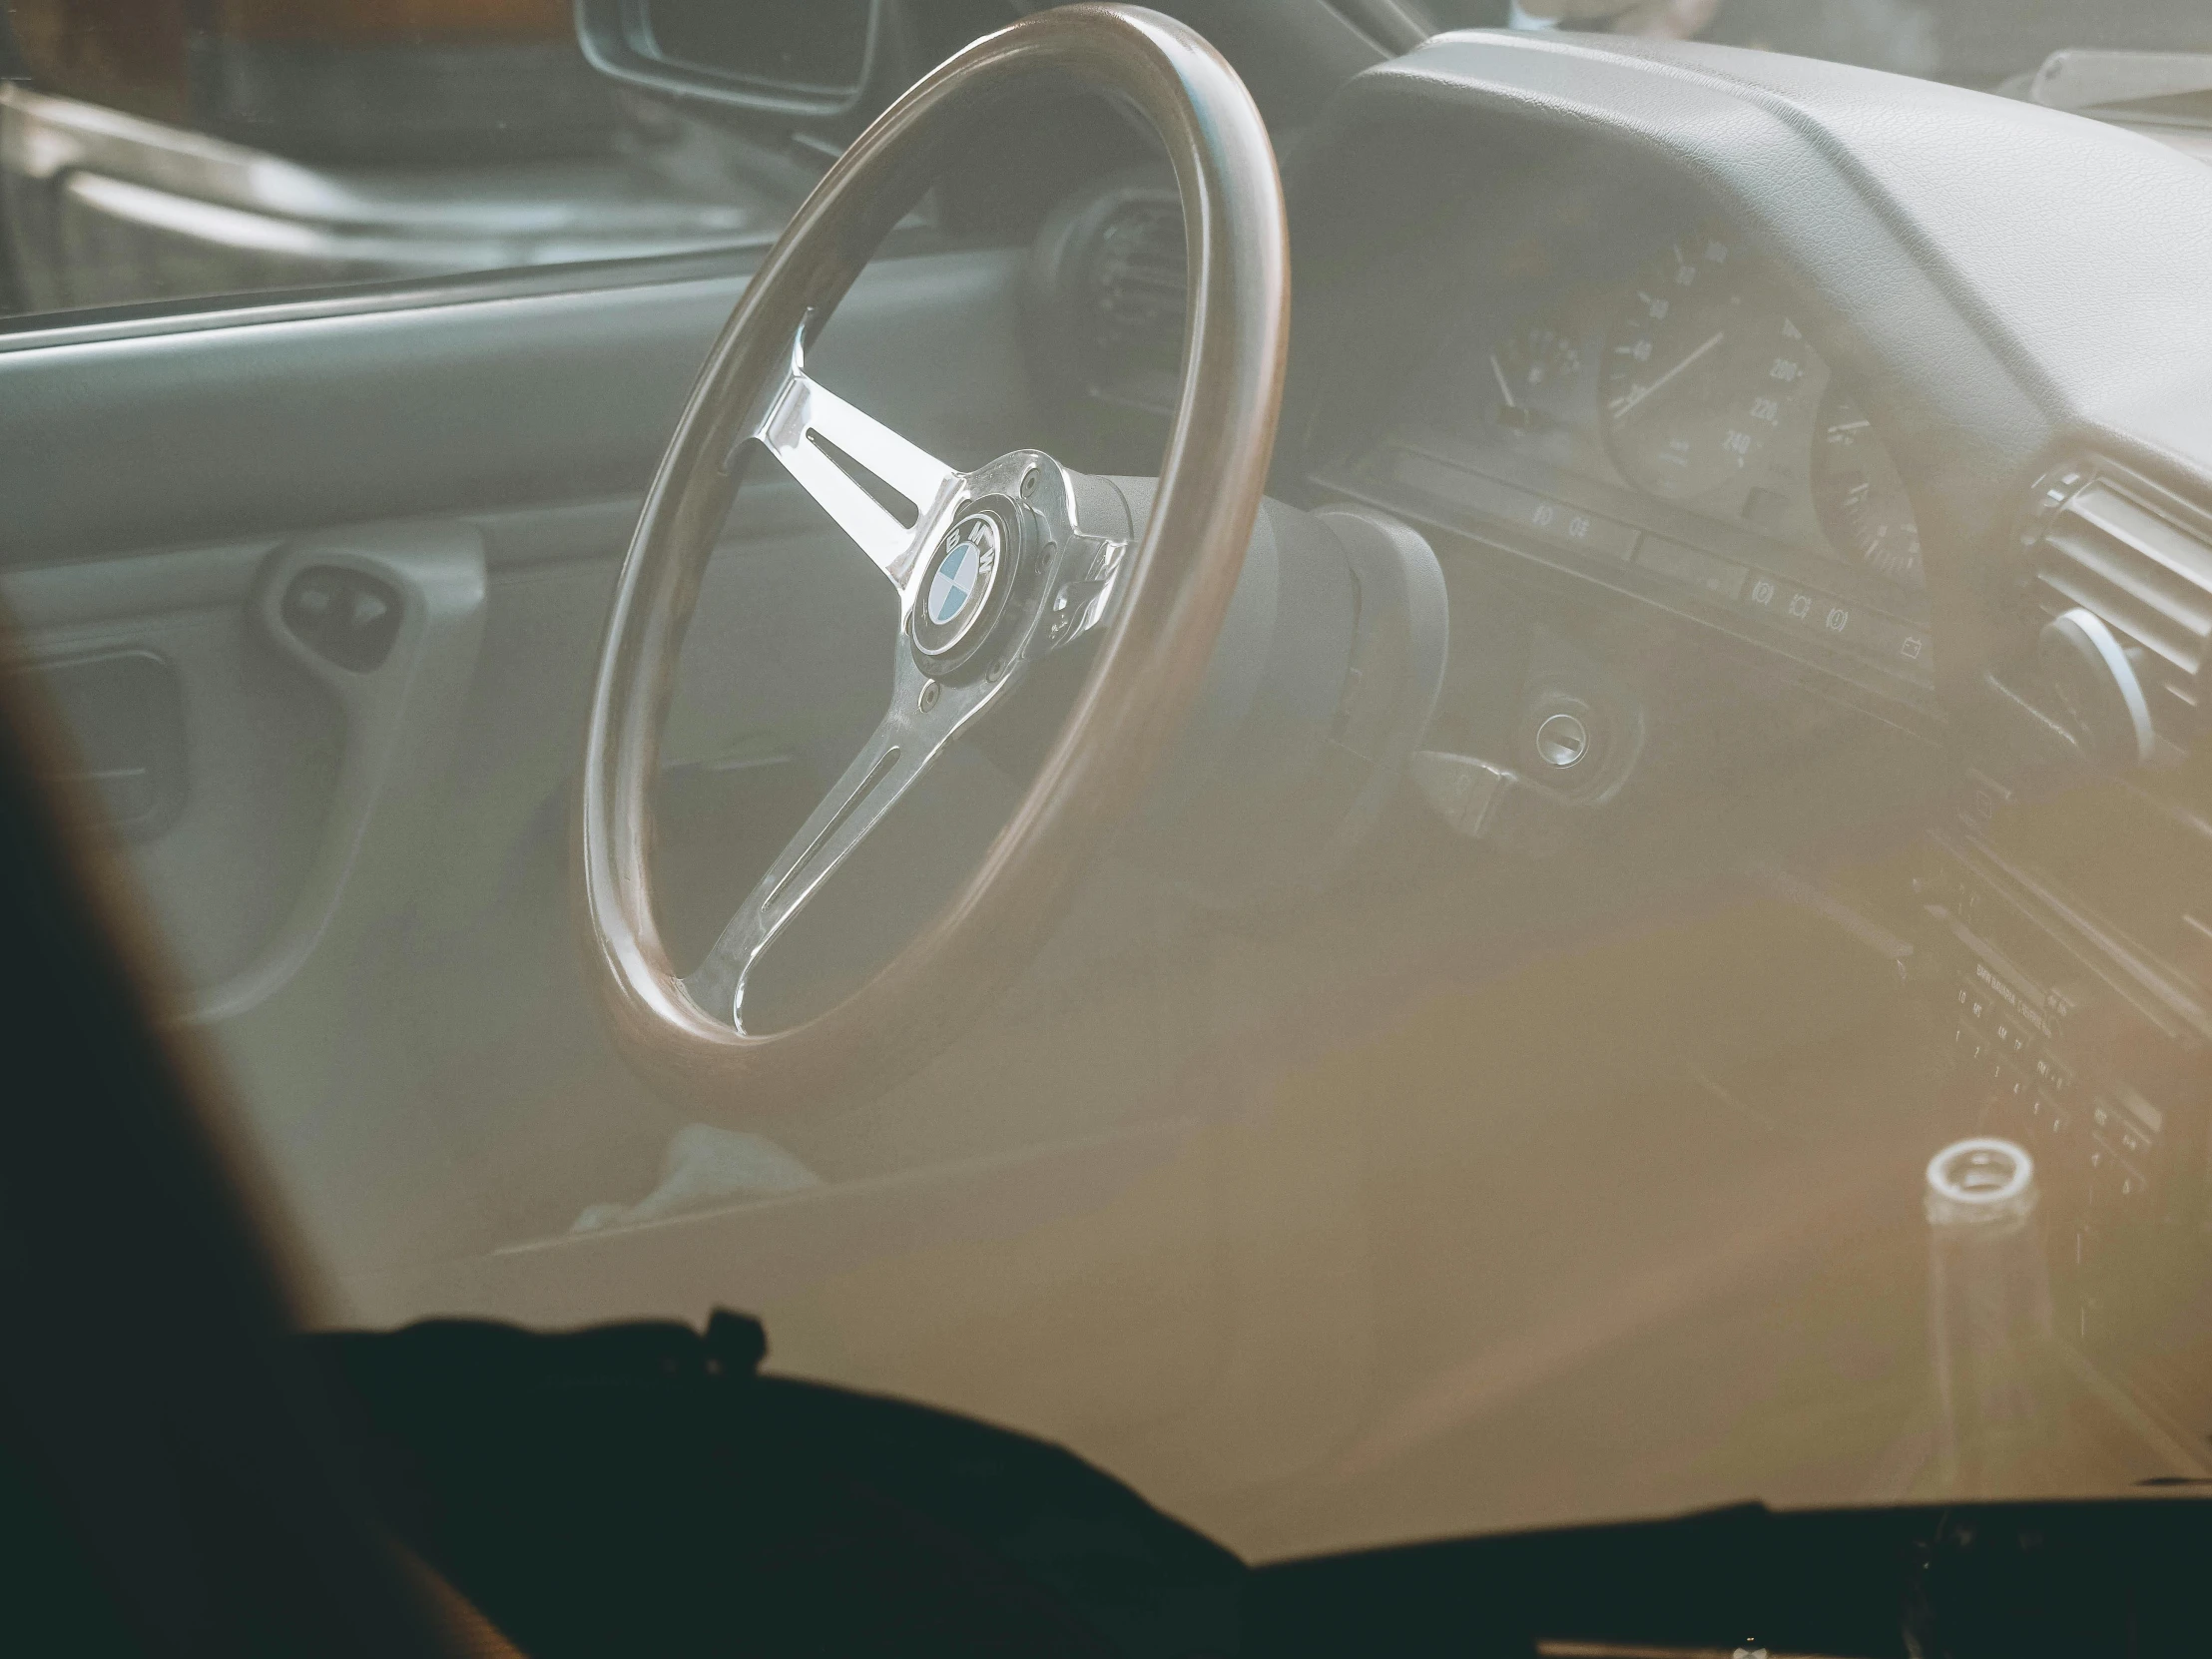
{"x": 1701, "y": 369}
{"x": 1860, "y": 494}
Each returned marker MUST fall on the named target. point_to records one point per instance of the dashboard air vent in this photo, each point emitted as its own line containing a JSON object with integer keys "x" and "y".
{"x": 1138, "y": 293}
{"x": 2142, "y": 560}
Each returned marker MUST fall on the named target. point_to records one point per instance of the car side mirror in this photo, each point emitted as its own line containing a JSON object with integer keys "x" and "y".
{"x": 803, "y": 60}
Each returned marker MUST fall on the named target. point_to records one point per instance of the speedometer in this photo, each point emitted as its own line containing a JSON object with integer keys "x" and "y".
{"x": 1702, "y": 369}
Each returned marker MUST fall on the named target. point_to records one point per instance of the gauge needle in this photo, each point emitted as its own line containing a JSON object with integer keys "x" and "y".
{"x": 1637, "y": 395}
{"x": 1503, "y": 391}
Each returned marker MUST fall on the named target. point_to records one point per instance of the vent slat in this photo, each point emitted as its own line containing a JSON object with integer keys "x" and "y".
{"x": 2144, "y": 532}
{"x": 2143, "y": 616}
{"x": 2148, "y": 576}
{"x": 2186, "y": 606}
{"x": 1139, "y": 288}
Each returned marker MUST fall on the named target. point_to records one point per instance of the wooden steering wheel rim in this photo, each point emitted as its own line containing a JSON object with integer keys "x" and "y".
{"x": 1155, "y": 652}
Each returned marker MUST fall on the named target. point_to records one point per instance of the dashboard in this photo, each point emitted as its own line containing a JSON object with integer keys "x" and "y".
{"x": 1700, "y": 357}
{"x": 1818, "y": 465}
{"x": 1742, "y": 345}
{"x": 1632, "y": 398}
{"x": 1720, "y": 358}
{"x": 1819, "y": 468}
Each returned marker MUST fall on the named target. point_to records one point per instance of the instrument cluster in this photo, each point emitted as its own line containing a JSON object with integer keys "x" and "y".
{"x": 1692, "y": 383}
{"x": 1661, "y": 422}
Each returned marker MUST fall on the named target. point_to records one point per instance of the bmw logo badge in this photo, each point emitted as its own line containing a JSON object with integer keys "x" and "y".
{"x": 958, "y": 580}
{"x": 957, "y": 591}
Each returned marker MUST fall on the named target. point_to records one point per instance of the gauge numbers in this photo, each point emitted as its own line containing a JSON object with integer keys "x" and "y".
{"x": 1861, "y": 497}
{"x": 1530, "y": 371}
{"x": 1701, "y": 389}
{"x": 1702, "y": 369}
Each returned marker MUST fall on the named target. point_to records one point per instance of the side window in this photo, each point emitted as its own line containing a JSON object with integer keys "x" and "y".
{"x": 163, "y": 150}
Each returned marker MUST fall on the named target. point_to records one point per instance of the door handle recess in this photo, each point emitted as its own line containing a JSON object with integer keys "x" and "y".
{"x": 390, "y": 621}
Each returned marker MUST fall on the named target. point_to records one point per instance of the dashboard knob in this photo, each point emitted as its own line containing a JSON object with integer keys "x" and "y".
{"x": 2096, "y": 681}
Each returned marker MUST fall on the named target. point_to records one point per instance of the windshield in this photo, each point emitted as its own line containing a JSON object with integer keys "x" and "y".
{"x": 1544, "y": 855}
{"x": 1988, "y": 43}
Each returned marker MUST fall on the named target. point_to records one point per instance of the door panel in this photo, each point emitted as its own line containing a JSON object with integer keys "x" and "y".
{"x": 348, "y": 821}
{"x": 365, "y": 890}
{"x": 260, "y": 749}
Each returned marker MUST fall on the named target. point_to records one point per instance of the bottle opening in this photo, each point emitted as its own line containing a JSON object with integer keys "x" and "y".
{"x": 1981, "y": 1179}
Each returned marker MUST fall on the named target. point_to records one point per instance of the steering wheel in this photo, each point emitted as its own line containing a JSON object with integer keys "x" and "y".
{"x": 995, "y": 571}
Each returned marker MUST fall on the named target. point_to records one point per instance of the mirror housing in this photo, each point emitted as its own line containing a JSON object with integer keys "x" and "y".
{"x": 806, "y": 60}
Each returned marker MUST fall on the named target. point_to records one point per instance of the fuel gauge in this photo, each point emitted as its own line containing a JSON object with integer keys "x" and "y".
{"x": 1532, "y": 369}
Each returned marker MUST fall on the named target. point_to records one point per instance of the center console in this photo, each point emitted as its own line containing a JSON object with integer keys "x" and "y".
{"x": 2071, "y": 964}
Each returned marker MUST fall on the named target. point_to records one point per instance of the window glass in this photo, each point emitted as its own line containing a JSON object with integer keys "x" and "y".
{"x": 160, "y": 150}
{"x": 1996, "y": 45}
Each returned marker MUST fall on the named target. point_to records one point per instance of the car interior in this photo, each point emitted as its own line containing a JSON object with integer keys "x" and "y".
{"x": 1524, "y": 668}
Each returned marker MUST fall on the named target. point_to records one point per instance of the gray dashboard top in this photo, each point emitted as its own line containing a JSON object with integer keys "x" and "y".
{"x": 2018, "y": 282}
{"x": 2080, "y": 250}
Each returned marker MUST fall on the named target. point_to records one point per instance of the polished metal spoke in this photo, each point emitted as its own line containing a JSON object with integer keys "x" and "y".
{"x": 925, "y": 715}
{"x": 884, "y": 493}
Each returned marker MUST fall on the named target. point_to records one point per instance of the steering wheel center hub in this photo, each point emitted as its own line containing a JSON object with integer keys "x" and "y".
{"x": 968, "y": 584}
